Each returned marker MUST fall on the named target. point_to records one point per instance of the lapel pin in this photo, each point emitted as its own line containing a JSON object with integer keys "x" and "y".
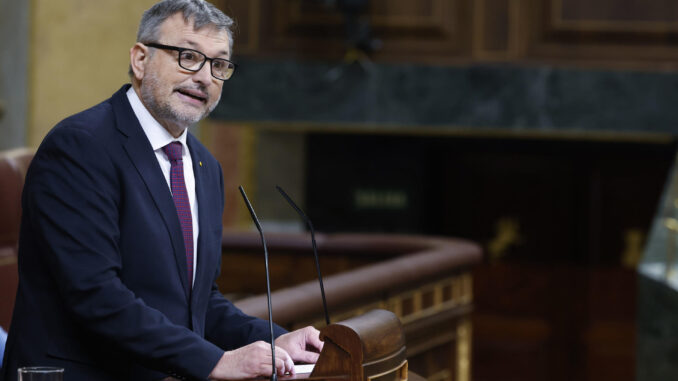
{"x": 200, "y": 162}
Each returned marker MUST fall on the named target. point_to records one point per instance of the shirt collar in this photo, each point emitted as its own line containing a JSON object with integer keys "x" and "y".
{"x": 156, "y": 133}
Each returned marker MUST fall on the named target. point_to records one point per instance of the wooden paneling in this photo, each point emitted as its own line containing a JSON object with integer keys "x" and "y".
{"x": 492, "y": 28}
{"x": 247, "y": 21}
{"x": 615, "y": 15}
{"x": 497, "y": 28}
{"x": 557, "y": 323}
{"x": 307, "y": 28}
{"x": 630, "y": 31}
{"x": 610, "y": 33}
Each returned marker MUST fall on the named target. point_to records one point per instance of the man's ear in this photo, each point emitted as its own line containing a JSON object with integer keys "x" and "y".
{"x": 138, "y": 57}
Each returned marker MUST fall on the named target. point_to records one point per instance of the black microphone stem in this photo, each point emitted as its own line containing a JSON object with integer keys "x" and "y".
{"x": 315, "y": 248}
{"x": 274, "y": 376}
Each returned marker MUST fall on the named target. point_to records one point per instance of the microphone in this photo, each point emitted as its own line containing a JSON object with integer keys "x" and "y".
{"x": 315, "y": 249}
{"x": 274, "y": 376}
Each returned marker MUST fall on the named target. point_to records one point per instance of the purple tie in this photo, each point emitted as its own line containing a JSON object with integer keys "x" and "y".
{"x": 180, "y": 196}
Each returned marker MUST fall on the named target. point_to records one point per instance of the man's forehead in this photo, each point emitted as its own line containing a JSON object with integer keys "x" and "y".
{"x": 178, "y": 23}
{"x": 188, "y": 42}
{"x": 184, "y": 31}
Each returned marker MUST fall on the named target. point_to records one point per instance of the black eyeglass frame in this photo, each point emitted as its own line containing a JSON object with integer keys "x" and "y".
{"x": 205, "y": 58}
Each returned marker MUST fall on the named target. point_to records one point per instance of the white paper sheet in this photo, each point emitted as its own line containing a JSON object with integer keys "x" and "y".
{"x": 303, "y": 368}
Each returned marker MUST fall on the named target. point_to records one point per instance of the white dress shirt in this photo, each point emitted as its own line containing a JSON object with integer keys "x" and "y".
{"x": 160, "y": 137}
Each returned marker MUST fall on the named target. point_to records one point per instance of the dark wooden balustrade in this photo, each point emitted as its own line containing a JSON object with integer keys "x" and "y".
{"x": 425, "y": 281}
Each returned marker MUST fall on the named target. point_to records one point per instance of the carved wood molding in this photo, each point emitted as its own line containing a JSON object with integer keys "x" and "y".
{"x": 635, "y": 33}
{"x": 603, "y": 31}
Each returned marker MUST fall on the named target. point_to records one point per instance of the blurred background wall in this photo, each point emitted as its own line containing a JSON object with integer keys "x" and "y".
{"x": 14, "y": 21}
{"x": 59, "y": 57}
{"x": 542, "y": 129}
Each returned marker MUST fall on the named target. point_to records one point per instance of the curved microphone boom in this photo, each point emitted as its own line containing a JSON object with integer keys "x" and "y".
{"x": 274, "y": 376}
{"x": 315, "y": 249}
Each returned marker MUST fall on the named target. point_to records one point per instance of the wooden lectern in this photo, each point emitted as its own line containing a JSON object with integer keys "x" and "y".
{"x": 369, "y": 347}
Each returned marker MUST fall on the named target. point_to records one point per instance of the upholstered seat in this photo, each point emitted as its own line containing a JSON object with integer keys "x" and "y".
{"x": 13, "y": 166}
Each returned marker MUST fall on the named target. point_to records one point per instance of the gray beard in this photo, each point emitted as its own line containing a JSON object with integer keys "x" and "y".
{"x": 163, "y": 110}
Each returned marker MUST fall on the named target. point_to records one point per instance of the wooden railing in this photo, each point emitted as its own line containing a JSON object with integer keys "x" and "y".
{"x": 425, "y": 281}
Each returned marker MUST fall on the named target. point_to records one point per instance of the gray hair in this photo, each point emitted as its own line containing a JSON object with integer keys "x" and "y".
{"x": 200, "y": 11}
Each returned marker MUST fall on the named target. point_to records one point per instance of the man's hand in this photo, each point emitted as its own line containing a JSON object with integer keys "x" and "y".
{"x": 303, "y": 345}
{"x": 251, "y": 361}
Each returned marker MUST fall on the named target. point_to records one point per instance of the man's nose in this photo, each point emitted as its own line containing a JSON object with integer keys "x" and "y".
{"x": 204, "y": 75}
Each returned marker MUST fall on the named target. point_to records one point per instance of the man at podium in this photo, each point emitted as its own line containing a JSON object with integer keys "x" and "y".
{"x": 120, "y": 242}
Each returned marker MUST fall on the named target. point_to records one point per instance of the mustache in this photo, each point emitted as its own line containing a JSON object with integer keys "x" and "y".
{"x": 197, "y": 90}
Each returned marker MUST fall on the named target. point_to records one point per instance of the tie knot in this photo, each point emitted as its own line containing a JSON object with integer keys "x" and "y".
{"x": 173, "y": 151}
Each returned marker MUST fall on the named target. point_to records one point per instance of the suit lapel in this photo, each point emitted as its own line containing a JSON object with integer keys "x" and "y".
{"x": 143, "y": 158}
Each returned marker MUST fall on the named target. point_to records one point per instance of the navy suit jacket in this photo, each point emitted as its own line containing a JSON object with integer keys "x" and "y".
{"x": 103, "y": 290}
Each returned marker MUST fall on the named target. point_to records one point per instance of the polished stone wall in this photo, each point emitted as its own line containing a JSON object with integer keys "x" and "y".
{"x": 471, "y": 97}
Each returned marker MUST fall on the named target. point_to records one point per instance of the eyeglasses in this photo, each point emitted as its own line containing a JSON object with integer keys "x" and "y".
{"x": 193, "y": 60}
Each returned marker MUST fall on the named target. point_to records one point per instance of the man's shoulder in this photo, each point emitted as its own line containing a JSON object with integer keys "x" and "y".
{"x": 96, "y": 119}
{"x": 92, "y": 131}
{"x": 91, "y": 120}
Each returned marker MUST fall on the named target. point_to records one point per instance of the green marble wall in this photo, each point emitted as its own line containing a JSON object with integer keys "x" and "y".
{"x": 473, "y": 97}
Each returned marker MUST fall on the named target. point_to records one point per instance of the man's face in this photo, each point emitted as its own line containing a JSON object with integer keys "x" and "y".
{"x": 176, "y": 97}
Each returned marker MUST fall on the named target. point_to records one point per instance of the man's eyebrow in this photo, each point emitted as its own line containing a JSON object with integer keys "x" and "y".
{"x": 195, "y": 46}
